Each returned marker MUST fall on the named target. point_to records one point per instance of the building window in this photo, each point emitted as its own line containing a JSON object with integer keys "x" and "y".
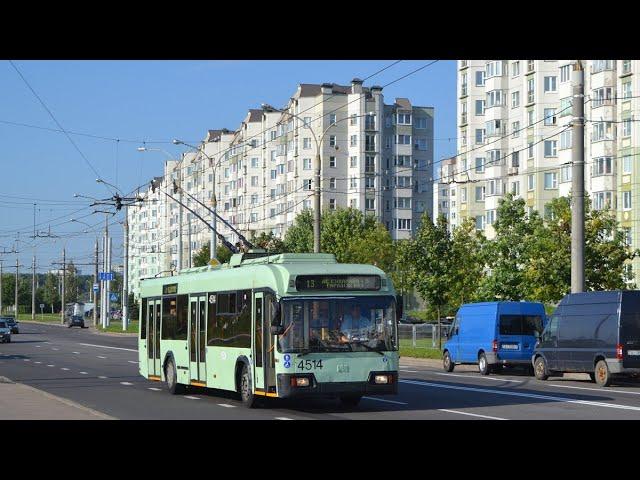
{"x": 479, "y": 78}
{"x": 403, "y": 223}
{"x": 550, "y": 84}
{"x": 463, "y": 195}
{"x": 306, "y": 143}
{"x": 602, "y": 166}
{"x": 550, "y": 180}
{"x": 353, "y": 183}
{"x": 369, "y": 204}
{"x": 353, "y": 120}
{"x": 306, "y": 164}
{"x": 421, "y": 122}
{"x": 531, "y": 182}
{"x": 515, "y": 159}
{"x": 626, "y": 164}
{"x": 515, "y": 129}
{"x": 254, "y": 181}
{"x": 626, "y": 200}
{"x": 479, "y": 164}
{"x": 332, "y": 119}
{"x": 515, "y": 99}
{"x": 332, "y": 183}
{"x": 550, "y": 148}
{"x": 601, "y": 96}
{"x": 515, "y": 69}
{"x": 515, "y": 188}
{"x": 549, "y": 116}
{"x": 332, "y": 162}
{"x": 354, "y": 141}
{"x": 495, "y": 98}
{"x": 626, "y": 90}
{"x": 531, "y": 65}
{"x": 480, "y": 222}
{"x": 480, "y": 192}
{"x": 306, "y": 184}
{"x": 565, "y": 73}
{"x": 402, "y": 202}
{"x": 565, "y": 174}
{"x": 404, "y": 119}
{"x": 530, "y": 149}
{"x": 403, "y": 139}
{"x": 601, "y": 65}
{"x": 626, "y": 127}
{"x": 602, "y": 131}
{"x": 626, "y": 66}
{"x": 479, "y": 107}
{"x": 602, "y": 200}
{"x": 491, "y": 217}
{"x": 530, "y": 90}
{"x": 332, "y": 141}
{"x": 565, "y": 140}
{"x": 530, "y": 118}
{"x": 332, "y": 204}
{"x": 480, "y": 132}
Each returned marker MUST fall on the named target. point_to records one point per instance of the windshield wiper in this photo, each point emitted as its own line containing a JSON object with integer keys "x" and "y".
{"x": 371, "y": 349}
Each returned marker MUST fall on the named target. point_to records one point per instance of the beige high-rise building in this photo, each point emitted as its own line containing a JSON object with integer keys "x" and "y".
{"x": 514, "y": 136}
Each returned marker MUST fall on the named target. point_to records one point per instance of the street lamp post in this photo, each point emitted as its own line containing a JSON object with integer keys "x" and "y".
{"x": 317, "y": 167}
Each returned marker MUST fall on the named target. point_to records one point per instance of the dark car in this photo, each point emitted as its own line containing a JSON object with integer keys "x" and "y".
{"x": 592, "y": 332}
{"x": 5, "y": 332}
{"x": 75, "y": 320}
{"x": 12, "y": 323}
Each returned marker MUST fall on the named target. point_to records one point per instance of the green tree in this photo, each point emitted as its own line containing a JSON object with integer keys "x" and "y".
{"x": 430, "y": 257}
{"x": 72, "y": 284}
{"x": 507, "y": 255}
{"x": 269, "y": 242}
{"x": 467, "y": 267}
{"x": 50, "y": 294}
{"x": 202, "y": 257}
{"x": 299, "y": 236}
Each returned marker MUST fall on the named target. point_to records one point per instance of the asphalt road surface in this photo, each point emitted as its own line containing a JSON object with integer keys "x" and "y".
{"x": 101, "y": 373}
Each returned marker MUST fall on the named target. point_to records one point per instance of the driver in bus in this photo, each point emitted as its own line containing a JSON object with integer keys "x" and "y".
{"x": 355, "y": 326}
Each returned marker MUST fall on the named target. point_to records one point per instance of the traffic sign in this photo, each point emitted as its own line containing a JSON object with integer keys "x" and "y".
{"x": 96, "y": 287}
{"x": 113, "y": 297}
{"x": 41, "y": 306}
{"x": 107, "y": 276}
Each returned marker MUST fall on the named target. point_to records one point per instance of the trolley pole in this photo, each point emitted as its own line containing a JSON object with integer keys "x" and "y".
{"x": 577, "y": 183}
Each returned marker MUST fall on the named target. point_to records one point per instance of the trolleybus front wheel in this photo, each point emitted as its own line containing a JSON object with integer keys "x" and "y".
{"x": 245, "y": 388}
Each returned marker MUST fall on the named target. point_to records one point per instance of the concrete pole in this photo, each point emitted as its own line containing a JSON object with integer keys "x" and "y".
{"x": 125, "y": 273}
{"x": 577, "y": 182}
{"x": 108, "y": 290}
{"x": 316, "y": 201}
{"x": 16, "y": 292}
{"x": 180, "y": 216}
{"x": 189, "y": 237}
{"x": 33, "y": 290}
{"x": 64, "y": 278}
{"x": 96, "y": 295}
{"x": 214, "y": 203}
{"x": 0, "y": 287}
{"x": 103, "y": 289}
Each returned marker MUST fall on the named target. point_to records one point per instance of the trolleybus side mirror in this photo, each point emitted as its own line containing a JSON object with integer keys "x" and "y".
{"x": 276, "y": 320}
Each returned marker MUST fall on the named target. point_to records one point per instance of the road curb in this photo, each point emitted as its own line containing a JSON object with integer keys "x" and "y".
{"x": 43, "y": 323}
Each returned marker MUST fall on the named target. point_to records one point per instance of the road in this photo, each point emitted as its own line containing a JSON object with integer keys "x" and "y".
{"x": 101, "y": 373}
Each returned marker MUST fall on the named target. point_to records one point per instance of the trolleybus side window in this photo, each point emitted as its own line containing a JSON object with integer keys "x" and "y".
{"x": 182, "y": 323}
{"x": 169, "y": 318}
{"x": 232, "y": 326}
{"x": 211, "y": 319}
{"x": 143, "y": 320}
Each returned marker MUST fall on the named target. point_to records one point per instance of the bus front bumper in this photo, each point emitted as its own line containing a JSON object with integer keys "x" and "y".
{"x": 286, "y": 389}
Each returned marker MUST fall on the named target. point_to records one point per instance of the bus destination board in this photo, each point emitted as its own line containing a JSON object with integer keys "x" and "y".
{"x": 337, "y": 282}
{"x": 170, "y": 289}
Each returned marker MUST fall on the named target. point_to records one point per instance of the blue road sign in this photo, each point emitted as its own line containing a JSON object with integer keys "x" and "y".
{"x": 113, "y": 297}
{"x": 96, "y": 287}
{"x": 107, "y": 276}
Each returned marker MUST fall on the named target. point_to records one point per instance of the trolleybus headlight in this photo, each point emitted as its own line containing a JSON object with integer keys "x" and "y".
{"x": 382, "y": 379}
{"x": 299, "y": 381}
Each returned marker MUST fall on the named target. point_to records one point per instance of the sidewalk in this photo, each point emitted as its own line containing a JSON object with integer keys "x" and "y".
{"x": 22, "y": 402}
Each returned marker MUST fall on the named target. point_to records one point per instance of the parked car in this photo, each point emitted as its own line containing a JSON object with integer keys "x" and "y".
{"x": 5, "y": 332}
{"x": 592, "y": 332}
{"x": 75, "y": 320}
{"x": 13, "y": 324}
{"x": 493, "y": 334}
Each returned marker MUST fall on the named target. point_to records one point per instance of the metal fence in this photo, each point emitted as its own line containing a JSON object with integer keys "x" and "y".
{"x": 420, "y": 335}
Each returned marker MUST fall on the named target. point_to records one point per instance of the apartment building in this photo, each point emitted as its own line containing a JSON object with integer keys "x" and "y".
{"x": 514, "y": 136}
{"x": 375, "y": 157}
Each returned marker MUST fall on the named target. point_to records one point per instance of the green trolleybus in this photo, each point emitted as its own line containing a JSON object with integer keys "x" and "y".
{"x": 287, "y": 325}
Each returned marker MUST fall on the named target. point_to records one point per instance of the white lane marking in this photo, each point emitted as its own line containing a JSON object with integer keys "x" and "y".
{"x": 50, "y": 365}
{"x": 103, "y": 377}
{"x": 64, "y": 368}
{"x": 27, "y": 360}
{"x": 100, "y": 356}
{"x": 38, "y": 346}
{"x": 126, "y": 383}
{"x": 154, "y": 389}
{"x": 526, "y": 395}
{"x": 409, "y": 371}
{"x": 471, "y": 414}
{"x": 283, "y": 418}
{"x": 478, "y": 377}
{"x": 386, "y": 401}
{"x": 226, "y": 405}
{"x": 84, "y": 373}
{"x": 103, "y": 346}
{"x": 55, "y": 349}
{"x": 130, "y": 361}
{"x": 601, "y": 390}
{"x": 37, "y": 362}
{"x": 190, "y": 397}
{"x": 77, "y": 353}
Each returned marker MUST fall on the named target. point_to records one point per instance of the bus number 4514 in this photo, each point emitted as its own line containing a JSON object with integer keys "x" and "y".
{"x": 310, "y": 364}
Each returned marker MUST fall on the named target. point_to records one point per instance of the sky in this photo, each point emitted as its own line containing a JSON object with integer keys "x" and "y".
{"x": 131, "y": 102}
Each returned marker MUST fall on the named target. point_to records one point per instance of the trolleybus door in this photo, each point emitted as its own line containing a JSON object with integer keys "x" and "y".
{"x": 153, "y": 337}
{"x": 262, "y": 346}
{"x": 197, "y": 337}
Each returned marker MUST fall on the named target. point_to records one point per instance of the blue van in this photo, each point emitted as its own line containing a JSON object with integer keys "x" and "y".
{"x": 492, "y": 334}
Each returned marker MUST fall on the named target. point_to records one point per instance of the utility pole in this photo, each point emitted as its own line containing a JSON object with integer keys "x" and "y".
{"x": 1, "y": 288}
{"x": 108, "y": 289}
{"x": 180, "y": 216}
{"x": 96, "y": 294}
{"x": 33, "y": 290}
{"x": 16, "y": 292}
{"x": 577, "y": 182}
{"x": 316, "y": 200}
{"x": 189, "y": 237}
{"x": 125, "y": 273}
{"x": 64, "y": 279}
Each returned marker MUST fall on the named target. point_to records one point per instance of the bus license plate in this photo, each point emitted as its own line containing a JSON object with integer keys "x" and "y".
{"x": 510, "y": 346}
{"x": 633, "y": 352}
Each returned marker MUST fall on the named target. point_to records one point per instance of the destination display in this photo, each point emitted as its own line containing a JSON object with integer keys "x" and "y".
{"x": 170, "y": 289}
{"x": 337, "y": 282}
